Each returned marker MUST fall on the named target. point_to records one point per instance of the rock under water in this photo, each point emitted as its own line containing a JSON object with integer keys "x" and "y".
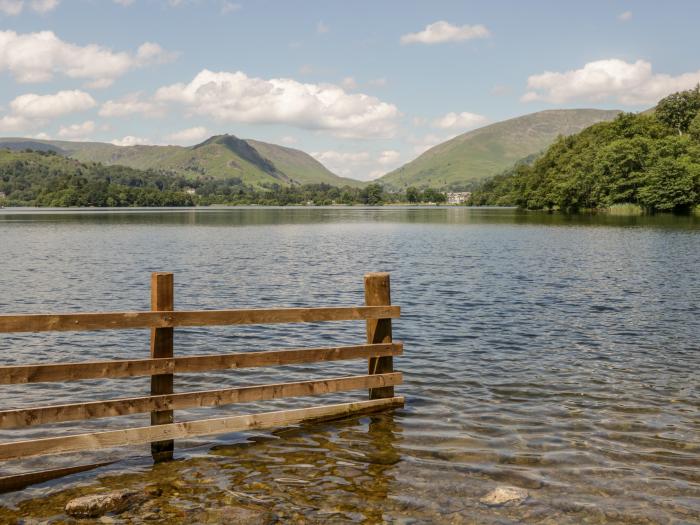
{"x": 97, "y": 505}
{"x": 511, "y": 496}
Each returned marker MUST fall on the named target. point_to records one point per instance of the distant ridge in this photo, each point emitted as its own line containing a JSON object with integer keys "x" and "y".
{"x": 221, "y": 156}
{"x": 484, "y": 152}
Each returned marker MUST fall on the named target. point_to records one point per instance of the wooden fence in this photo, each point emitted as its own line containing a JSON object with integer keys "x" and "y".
{"x": 163, "y": 364}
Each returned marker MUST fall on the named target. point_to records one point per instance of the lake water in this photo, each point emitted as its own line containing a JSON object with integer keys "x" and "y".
{"x": 557, "y": 354}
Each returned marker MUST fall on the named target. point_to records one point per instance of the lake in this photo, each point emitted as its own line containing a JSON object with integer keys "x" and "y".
{"x": 559, "y": 354}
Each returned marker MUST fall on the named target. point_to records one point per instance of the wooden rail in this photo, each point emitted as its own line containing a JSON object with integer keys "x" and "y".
{"x": 163, "y": 365}
{"x": 158, "y": 319}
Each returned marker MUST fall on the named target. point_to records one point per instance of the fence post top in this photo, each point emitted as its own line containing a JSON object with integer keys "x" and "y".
{"x": 376, "y": 275}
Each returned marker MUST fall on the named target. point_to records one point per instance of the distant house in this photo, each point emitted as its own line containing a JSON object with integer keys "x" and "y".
{"x": 458, "y": 197}
{"x": 2, "y": 195}
{"x": 190, "y": 191}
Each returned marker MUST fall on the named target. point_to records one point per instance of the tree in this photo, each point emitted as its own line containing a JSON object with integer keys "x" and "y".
{"x": 412, "y": 195}
{"x": 679, "y": 109}
{"x": 375, "y": 194}
{"x": 670, "y": 185}
{"x": 694, "y": 128}
{"x": 432, "y": 195}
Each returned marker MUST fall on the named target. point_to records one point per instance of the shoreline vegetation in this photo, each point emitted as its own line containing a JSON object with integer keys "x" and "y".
{"x": 637, "y": 163}
{"x": 633, "y": 165}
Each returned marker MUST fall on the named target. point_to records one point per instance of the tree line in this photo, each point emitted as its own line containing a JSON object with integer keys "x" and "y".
{"x": 46, "y": 179}
{"x": 649, "y": 160}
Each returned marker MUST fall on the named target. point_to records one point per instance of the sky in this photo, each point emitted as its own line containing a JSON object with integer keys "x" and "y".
{"x": 363, "y": 86}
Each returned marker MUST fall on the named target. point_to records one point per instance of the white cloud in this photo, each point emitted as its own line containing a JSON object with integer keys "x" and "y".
{"x": 150, "y": 53}
{"x": 425, "y": 142}
{"x": 236, "y": 97}
{"x": 624, "y": 17}
{"x": 15, "y": 7}
{"x": 628, "y": 83}
{"x": 37, "y": 57}
{"x": 44, "y": 6}
{"x": 460, "y": 121}
{"x": 11, "y": 7}
{"x": 441, "y": 32}
{"x": 14, "y": 123}
{"x": 289, "y": 140}
{"x": 361, "y": 165}
{"x": 77, "y": 131}
{"x": 30, "y": 110}
{"x": 131, "y": 141}
{"x": 32, "y": 106}
{"x": 124, "y": 2}
{"x": 131, "y": 104}
{"x": 378, "y": 82}
{"x": 389, "y": 157}
{"x": 188, "y": 136}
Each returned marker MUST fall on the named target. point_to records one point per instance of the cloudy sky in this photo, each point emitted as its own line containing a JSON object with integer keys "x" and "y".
{"x": 364, "y": 86}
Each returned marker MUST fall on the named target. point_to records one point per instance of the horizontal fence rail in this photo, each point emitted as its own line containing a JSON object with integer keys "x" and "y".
{"x": 20, "y": 374}
{"x": 171, "y": 319}
{"x": 205, "y": 427}
{"x": 24, "y": 417}
{"x": 379, "y": 351}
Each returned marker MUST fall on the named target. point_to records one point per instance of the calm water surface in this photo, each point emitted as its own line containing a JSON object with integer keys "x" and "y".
{"x": 557, "y": 354}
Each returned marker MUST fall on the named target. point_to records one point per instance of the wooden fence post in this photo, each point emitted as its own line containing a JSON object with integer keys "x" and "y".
{"x": 378, "y": 293}
{"x": 162, "y": 299}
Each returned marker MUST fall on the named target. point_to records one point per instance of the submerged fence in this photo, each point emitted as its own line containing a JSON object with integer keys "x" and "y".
{"x": 163, "y": 364}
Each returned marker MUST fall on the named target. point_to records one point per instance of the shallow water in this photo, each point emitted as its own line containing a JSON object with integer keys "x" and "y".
{"x": 554, "y": 353}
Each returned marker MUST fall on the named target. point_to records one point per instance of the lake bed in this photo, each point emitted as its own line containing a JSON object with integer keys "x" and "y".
{"x": 554, "y": 353}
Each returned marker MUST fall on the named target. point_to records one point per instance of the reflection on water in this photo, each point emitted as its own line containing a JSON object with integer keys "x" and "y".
{"x": 555, "y": 353}
{"x": 255, "y": 215}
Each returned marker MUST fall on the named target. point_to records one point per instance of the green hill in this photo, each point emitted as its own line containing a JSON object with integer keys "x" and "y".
{"x": 487, "y": 151}
{"x": 222, "y": 157}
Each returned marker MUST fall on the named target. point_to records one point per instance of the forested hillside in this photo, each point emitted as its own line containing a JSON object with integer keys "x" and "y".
{"x": 46, "y": 178}
{"x": 650, "y": 161}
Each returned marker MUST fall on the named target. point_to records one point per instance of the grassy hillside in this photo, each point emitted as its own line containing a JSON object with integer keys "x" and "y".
{"x": 222, "y": 157}
{"x": 300, "y": 166}
{"x": 487, "y": 151}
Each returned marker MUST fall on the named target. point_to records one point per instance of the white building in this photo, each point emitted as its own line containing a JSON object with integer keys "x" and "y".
{"x": 458, "y": 197}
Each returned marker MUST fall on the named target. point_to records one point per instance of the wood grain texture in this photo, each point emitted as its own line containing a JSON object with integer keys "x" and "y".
{"x": 207, "y": 398}
{"x": 162, "y": 299}
{"x": 40, "y": 373}
{"x": 378, "y": 292}
{"x": 160, "y": 319}
{"x": 134, "y": 436}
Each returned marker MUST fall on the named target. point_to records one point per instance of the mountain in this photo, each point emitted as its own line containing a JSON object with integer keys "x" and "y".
{"x": 221, "y": 156}
{"x": 487, "y": 151}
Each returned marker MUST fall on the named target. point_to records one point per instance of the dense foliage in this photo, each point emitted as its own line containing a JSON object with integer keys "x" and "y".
{"x": 652, "y": 161}
{"x": 34, "y": 178}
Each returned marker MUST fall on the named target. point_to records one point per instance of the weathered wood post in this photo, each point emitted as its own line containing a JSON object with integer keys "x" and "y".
{"x": 162, "y": 299}
{"x": 378, "y": 293}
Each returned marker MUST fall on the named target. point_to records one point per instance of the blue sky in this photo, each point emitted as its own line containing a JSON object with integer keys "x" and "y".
{"x": 365, "y": 86}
